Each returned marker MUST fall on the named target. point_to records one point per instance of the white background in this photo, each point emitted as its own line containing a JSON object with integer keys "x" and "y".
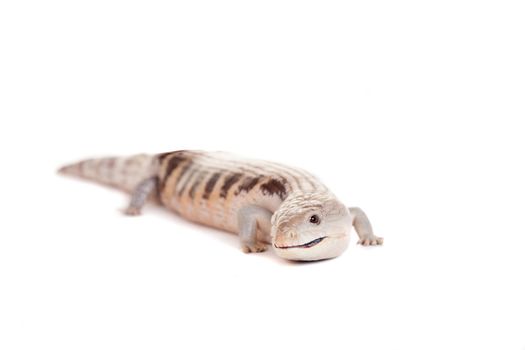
{"x": 412, "y": 110}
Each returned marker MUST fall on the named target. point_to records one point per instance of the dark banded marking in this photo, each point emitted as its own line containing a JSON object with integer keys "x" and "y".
{"x": 258, "y": 167}
{"x": 173, "y": 164}
{"x": 280, "y": 172}
{"x": 183, "y": 153}
{"x": 163, "y": 156}
{"x": 210, "y": 185}
{"x": 187, "y": 180}
{"x": 265, "y": 169}
{"x": 274, "y": 187}
{"x": 248, "y": 184}
{"x": 174, "y": 178}
{"x": 226, "y": 165}
{"x": 200, "y": 176}
{"x": 98, "y": 166}
{"x": 298, "y": 175}
{"x": 183, "y": 171}
{"x": 294, "y": 178}
{"x": 105, "y": 169}
{"x": 228, "y": 183}
{"x": 283, "y": 174}
{"x": 81, "y": 167}
{"x": 110, "y": 164}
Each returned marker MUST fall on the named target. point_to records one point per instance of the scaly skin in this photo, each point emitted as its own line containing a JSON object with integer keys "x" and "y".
{"x": 263, "y": 202}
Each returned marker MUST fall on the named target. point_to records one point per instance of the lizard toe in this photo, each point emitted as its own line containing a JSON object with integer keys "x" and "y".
{"x": 254, "y": 247}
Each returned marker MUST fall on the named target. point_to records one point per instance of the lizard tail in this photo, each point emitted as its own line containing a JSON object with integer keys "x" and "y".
{"x": 124, "y": 173}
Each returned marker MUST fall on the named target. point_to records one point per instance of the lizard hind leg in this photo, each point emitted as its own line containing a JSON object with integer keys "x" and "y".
{"x": 140, "y": 195}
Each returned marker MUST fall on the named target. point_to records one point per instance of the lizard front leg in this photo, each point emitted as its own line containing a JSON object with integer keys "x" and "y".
{"x": 140, "y": 195}
{"x": 252, "y": 219}
{"x": 364, "y": 228}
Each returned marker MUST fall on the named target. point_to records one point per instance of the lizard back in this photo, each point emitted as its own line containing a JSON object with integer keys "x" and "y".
{"x": 210, "y": 187}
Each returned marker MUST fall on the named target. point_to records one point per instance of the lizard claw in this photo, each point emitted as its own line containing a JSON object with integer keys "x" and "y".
{"x": 132, "y": 211}
{"x": 373, "y": 240}
{"x": 256, "y": 247}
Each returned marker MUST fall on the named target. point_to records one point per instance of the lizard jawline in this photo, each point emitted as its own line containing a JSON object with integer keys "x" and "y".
{"x": 306, "y": 245}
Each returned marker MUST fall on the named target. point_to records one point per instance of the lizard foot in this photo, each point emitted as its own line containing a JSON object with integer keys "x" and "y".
{"x": 254, "y": 247}
{"x": 373, "y": 240}
{"x": 132, "y": 211}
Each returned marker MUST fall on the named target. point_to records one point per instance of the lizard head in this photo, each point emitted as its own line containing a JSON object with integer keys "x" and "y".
{"x": 311, "y": 226}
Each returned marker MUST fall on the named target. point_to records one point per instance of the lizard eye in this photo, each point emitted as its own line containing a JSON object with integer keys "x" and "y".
{"x": 314, "y": 219}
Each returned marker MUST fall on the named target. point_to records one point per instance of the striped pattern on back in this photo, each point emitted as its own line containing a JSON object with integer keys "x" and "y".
{"x": 209, "y": 187}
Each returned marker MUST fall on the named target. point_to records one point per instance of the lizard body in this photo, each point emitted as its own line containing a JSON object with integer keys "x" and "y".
{"x": 263, "y": 202}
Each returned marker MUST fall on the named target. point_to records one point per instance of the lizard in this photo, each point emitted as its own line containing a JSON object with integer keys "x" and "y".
{"x": 265, "y": 203}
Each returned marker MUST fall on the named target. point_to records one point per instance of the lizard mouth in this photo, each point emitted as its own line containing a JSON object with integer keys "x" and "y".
{"x": 306, "y": 245}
